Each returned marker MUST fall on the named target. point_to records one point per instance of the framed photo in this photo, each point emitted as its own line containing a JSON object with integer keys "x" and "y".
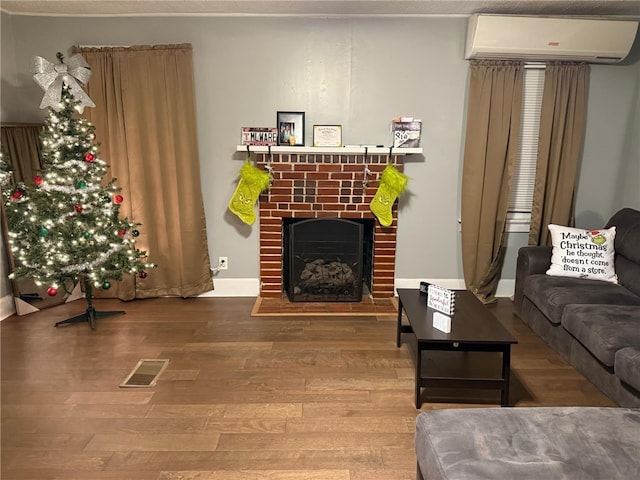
{"x": 290, "y": 128}
{"x": 327, "y": 135}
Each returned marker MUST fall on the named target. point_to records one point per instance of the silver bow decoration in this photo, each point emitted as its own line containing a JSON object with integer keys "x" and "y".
{"x": 73, "y": 73}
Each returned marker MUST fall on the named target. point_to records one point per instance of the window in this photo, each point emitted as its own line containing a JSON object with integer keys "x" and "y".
{"x": 524, "y": 175}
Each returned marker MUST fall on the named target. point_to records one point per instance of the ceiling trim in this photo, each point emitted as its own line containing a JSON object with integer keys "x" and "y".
{"x": 316, "y": 8}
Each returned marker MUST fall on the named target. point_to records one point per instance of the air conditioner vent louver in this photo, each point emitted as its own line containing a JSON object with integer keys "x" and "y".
{"x": 549, "y": 38}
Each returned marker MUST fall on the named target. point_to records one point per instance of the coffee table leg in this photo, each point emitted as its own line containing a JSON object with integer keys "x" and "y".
{"x": 418, "y": 375}
{"x": 399, "y": 327}
{"x": 506, "y": 375}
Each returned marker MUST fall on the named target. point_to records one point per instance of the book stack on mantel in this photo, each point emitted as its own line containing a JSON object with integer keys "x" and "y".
{"x": 406, "y": 132}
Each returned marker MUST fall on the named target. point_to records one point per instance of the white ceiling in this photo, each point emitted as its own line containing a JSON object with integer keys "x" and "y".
{"x": 319, "y": 7}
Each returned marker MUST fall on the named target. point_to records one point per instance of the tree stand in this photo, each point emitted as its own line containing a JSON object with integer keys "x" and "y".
{"x": 90, "y": 315}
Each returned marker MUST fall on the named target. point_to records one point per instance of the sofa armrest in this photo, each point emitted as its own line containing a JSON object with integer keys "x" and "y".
{"x": 531, "y": 260}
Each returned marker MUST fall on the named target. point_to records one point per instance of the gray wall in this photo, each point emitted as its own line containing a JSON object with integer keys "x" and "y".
{"x": 610, "y": 172}
{"x": 358, "y": 72}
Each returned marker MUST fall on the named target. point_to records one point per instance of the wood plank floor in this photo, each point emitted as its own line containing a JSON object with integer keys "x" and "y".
{"x": 279, "y": 398}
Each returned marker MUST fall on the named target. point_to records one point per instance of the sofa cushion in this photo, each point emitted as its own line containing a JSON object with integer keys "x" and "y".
{"x": 583, "y": 253}
{"x": 570, "y": 443}
{"x": 627, "y": 241}
{"x": 627, "y": 366}
{"x": 628, "y": 274}
{"x": 627, "y": 246}
{"x": 552, "y": 294}
{"x": 603, "y": 329}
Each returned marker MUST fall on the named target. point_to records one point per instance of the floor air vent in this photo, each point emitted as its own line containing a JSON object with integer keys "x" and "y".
{"x": 145, "y": 373}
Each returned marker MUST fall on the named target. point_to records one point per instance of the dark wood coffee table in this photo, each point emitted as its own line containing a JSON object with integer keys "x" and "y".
{"x": 473, "y": 329}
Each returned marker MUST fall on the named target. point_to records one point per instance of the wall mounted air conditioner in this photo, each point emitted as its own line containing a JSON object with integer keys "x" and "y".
{"x": 549, "y": 38}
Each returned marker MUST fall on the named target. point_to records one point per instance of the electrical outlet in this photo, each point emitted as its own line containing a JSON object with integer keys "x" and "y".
{"x": 223, "y": 263}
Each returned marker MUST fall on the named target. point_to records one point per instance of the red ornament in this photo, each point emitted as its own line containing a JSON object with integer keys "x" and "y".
{"x": 122, "y": 233}
{"x": 52, "y": 291}
{"x": 17, "y": 194}
{"x": 89, "y": 157}
{"x": 143, "y": 275}
{"x": 118, "y": 199}
{"x": 38, "y": 180}
{"x": 78, "y": 208}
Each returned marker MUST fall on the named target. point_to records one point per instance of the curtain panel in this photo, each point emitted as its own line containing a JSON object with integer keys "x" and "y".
{"x": 22, "y": 146}
{"x": 146, "y": 124}
{"x": 562, "y": 126}
{"x": 491, "y": 147}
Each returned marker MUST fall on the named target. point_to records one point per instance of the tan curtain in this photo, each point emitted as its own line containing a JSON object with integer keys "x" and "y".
{"x": 562, "y": 126}
{"x": 146, "y": 124}
{"x": 491, "y": 146}
{"x": 22, "y": 146}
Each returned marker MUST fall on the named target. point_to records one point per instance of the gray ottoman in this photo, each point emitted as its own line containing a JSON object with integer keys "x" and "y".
{"x": 580, "y": 443}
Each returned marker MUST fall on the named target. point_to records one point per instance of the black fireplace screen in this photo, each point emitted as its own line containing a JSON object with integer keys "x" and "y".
{"x": 323, "y": 260}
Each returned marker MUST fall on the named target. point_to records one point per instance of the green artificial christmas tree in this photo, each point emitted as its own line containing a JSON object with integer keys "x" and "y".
{"x": 65, "y": 227}
{"x": 5, "y": 171}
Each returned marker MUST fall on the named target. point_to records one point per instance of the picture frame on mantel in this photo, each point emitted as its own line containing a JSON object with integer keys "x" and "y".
{"x": 290, "y": 128}
{"x": 327, "y": 135}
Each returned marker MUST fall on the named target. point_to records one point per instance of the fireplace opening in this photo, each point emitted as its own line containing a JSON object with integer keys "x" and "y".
{"x": 327, "y": 259}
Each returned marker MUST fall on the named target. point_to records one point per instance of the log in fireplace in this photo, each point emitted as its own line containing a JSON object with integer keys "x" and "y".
{"x": 327, "y": 259}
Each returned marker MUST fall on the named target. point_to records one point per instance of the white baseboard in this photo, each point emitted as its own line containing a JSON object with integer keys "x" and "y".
{"x": 234, "y": 287}
{"x": 7, "y": 306}
{"x": 450, "y": 283}
{"x": 505, "y": 287}
{"x": 250, "y": 287}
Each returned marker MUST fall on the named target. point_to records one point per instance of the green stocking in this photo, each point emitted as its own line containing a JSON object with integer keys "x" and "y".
{"x": 392, "y": 184}
{"x": 252, "y": 182}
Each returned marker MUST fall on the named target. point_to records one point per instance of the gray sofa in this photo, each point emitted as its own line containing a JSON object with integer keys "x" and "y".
{"x": 571, "y": 443}
{"x": 594, "y": 325}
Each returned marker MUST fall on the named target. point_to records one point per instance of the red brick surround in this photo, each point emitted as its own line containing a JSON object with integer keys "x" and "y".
{"x": 323, "y": 185}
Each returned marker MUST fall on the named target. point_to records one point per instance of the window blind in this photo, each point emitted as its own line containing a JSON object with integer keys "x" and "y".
{"x": 524, "y": 176}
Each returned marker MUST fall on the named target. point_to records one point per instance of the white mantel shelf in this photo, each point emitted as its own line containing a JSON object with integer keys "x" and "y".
{"x": 329, "y": 150}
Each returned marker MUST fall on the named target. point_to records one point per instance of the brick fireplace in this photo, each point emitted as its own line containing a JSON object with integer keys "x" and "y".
{"x": 321, "y": 185}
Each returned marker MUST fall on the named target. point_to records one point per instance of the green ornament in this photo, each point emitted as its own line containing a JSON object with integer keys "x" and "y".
{"x": 43, "y": 232}
{"x": 81, "y": 184}
{"x": 86, "y": 234}
{"x": 106, "y": 285}
{"x": 135, "y": 233}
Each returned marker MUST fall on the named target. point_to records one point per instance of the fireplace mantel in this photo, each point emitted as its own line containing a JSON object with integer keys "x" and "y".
{"x": 350, "y": 150}
{"x": 325, "y": 182}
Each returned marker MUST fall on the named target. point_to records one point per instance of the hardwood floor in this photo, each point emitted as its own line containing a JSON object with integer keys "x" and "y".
{"x": 282, "y": 398}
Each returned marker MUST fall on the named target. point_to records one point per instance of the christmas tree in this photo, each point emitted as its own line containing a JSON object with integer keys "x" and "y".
{"x": 5, "y": 171}
{"x": 65, "y": 227}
